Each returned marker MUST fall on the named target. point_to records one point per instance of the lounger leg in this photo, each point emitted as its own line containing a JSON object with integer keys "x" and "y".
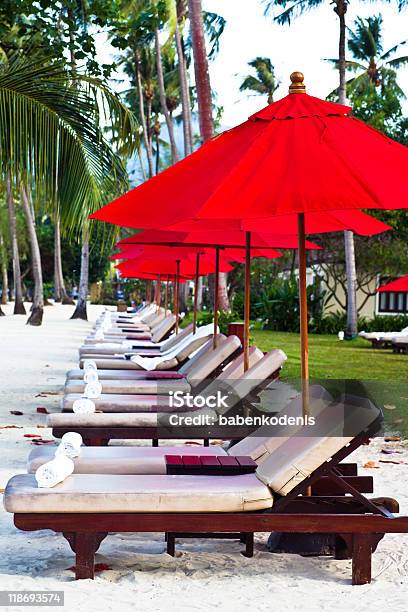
{"x": 85, "y": 555}
{"x": 155, "y": 442}
{"x": 171, "y": 544}
{"x": 248, "y": 540}
{"x": 361, "y": 564}
{"x": 206, "y": 442}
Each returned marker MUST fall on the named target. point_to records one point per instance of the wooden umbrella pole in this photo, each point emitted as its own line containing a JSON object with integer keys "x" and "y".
{"x": 216, "y": 291}
{"x": 304, "y": 344}
{"x": 197, "y": 272}
{"x": 247, "y": 303}
{"x": 176, "y": 295}
{"x": 166, "y": 296}
{"x": 158, "y": 293}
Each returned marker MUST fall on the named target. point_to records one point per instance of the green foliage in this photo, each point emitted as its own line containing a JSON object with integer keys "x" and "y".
{"x": 224, "y": 318}
{"x": 265, "y": 82}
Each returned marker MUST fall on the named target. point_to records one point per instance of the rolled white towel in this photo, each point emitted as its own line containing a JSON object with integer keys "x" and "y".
{"x": 93, "y": 390}
{"x": 99, "y": 335}
{"x": 90, "y": 364}
{"x": 70, "y": 445}
{"x": 83, "y": 406}
{"x": 91, "y": 376}
{"x": 57, "y": 470}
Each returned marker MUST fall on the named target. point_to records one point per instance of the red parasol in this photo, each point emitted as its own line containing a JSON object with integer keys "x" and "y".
{"x": 399, "y": 285}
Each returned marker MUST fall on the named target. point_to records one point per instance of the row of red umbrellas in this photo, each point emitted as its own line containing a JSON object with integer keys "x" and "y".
{"x": 301, "y": 165}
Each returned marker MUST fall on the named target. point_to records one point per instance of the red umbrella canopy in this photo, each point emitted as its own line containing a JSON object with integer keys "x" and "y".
{"x": 401, "y": 284}
{"x": 132, "y": 267}
{"x": 213, "y": 235}
{"x": 133, "y": 252}
{"x": 298, "y": 155}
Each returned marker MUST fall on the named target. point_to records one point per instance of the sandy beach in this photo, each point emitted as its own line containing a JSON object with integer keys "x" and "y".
{"x": 139, "y": 575}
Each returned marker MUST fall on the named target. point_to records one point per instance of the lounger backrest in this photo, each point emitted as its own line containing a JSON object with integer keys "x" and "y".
{"x": 238, "y": 388}
{"x": 176, "y": 338}
{"x": 299, "y": 457}
{"x": 261, "y": 371}
{"x": 204, "y": 350}
{"x": 194, "y": 342}
{"x": 211, "y": 360}
{"x": 235, "y": 368}
{"x": 163, "y": 328}
{"x": 266, "y": 440}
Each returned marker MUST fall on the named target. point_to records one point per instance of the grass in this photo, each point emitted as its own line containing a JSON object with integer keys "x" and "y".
{"x": 330, "y": 358}
{"x": 385, "y": 375}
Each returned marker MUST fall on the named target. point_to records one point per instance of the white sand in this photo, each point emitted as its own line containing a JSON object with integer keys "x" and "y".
{"x": 206, "y": 574}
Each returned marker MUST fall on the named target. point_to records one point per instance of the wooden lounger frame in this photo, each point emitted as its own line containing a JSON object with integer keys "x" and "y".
{"x": 100, "y": 436}
{"x": 357, "y": 522}
{"x": 400, "y": 347}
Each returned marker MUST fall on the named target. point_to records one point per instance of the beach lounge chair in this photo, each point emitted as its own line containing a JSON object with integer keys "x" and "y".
{"x": 138, "y": 393}
{"x": 155, "y": 334}
{"x": 86, "y": 508}
{"x": 151, "y": 460}
{"x": 400, "y": 345}
{"x": 382, "y": 339}
{"x": 130, "y": 348}
{"x": 122, "y": 360}
{"x": 150, "y": 424}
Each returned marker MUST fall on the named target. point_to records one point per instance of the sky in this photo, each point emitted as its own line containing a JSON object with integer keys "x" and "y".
{"x": 302, "y": 46}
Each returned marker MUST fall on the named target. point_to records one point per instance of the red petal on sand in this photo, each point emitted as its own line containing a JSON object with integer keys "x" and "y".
{"x": 11, "y": 427}
{"x": 16, "y": 412}
{"x": 32, "y": 436}
{"x": 192, "y": 443}
{"x": 41, "y": 441}
{"x": 42, "y": 410}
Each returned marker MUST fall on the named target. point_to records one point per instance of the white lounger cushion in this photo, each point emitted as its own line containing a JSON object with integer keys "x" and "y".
{"x": 129, "y": 387}
{"x": 299, "y": 456}
{"x": 100, "y": 419}
{"x": 111, "y": 493}
{"x": 121, "y": 459}
{"x": 120, "y": 403}
{"x": 262, "y": 443}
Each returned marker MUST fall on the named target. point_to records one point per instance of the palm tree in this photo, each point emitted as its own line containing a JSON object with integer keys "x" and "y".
{"x": 264, "y": 82}
{"x": 292, "y": 9}
{"x": 204, "y": 99}
{"x": 50, "y": 138}
{"x": 374, "y": 68}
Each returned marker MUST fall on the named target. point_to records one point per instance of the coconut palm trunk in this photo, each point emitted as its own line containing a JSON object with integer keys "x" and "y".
{"x": 204, "y": 99}
{"x": 80, "y": 310}
{"x": 18, "y": 289}
{"x": 37, "y": 309}
{"x": 4, "y": 275}
{"x": 162, "y": 95}
{"x": 184, "y": 94}
{"x": 143, "y": 121}
{"x": 60, "y": 292}
{"x": 341, "y": 9}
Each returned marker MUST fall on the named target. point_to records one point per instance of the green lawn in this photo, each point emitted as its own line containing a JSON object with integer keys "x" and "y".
{"x": 330, "y": 358}
{"x": 384, "y": 374}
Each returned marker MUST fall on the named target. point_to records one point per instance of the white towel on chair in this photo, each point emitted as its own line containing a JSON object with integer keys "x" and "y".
{"x": 51, "y": 473}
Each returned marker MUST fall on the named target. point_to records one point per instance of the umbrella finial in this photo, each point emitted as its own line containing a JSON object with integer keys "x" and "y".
{"x": 297, "y": 85}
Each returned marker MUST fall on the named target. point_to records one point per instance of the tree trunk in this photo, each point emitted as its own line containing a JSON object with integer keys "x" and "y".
{"x": 143, "y": 121}
{"x": 203, "y": 87}
{"x": 37, "y": 309}
{"x": 80, "y": 310}
{"x": 4, "y": 276}
{"x": 185, "y": 94}
{"x": 60, "y": 292}
{"x": 18, "y": 290}
{"x": 163, "y": 103}
{"x": 341, "y": 9}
